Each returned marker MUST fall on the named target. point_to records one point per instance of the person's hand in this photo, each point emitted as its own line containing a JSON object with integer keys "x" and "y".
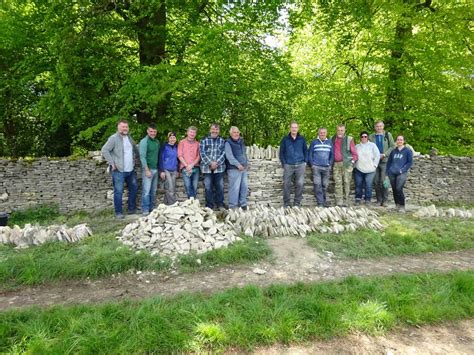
{"x": 382, "y": 156}
{"x": 162, "y": 175}
{"x": 241, "y": 167}
{"x": 113, "y": 167}
{"x": 189, "y": 169}
{"x": 214, "y": 165}
{"x": 148, "y": 173}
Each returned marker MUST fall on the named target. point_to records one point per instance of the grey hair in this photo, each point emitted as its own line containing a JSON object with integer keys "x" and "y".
{"x": 233, "y": 128}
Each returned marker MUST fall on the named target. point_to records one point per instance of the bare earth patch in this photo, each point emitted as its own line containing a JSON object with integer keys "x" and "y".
{"x": 294, "y": 261}
{"x": 451, "y": 338}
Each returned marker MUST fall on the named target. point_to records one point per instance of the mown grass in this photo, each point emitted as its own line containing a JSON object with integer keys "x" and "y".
{"x": 241, "y": 318}
{"x": 103, "y": 255}
{"x": 403, "y": 235}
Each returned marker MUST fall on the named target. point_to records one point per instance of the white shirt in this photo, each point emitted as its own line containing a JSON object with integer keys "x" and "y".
{"x": 127, "y": 155}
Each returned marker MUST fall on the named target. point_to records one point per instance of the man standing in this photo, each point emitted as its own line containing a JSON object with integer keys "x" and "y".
{"x": 237, "y": 164}
{"x": 345, "y": 155}
{"x": 321, "y": 158}
{"x": 188, "y": 155}
{"x": 385, "y": 143}
{"x": 120, "y": 152}
{"x": 293, "y": 152}
{"x": 212, "y": 149}
{"x": 149, "y": 148}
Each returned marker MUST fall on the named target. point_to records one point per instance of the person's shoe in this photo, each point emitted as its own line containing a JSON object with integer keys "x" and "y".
{"x": 245, "y": 208}
{"x": 357, "y": 202}
{"x": 368, "y": 204}
{"x": 119, "y": 216}
{"x": 132, "y": 212}
{"x": 401, "y": 209}
{"x": 383, "y": 203}
{"x": 144, "y": 214}
{"x": 320, "y": 205}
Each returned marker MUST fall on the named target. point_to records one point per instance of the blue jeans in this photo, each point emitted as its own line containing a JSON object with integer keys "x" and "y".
{"x": 214, "y": 181}
{"x": 320, "y": 183}
{"x": 238, "y": 188}
{"x": 398, "y": 182}
{"x": 149, "y": 185}
{"x": 118, "y": 179}
{"x": 289, "y": 171}
{"x": 363, "y": 181}
{"x": 191, "y": 182}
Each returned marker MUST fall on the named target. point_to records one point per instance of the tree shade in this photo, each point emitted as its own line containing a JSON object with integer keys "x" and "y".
{"x": 71, "y": 69}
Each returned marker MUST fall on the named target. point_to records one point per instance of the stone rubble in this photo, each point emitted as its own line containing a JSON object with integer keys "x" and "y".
{"x": 279, "y": 222}
{"x": 178, "y": 229}
{"x": 186, "y": 227}
{"x": 432, "y": 211}
{"x": 36, "y": 235}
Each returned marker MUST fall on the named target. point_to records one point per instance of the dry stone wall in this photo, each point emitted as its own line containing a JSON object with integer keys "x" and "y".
{"x": 85, "y": 185}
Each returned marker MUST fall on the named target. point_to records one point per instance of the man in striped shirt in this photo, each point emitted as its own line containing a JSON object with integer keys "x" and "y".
{"x": 321, "y": 158}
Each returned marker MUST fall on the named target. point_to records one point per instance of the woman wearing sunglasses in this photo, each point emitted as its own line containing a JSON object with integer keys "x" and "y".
{"x": 365, "y": 167}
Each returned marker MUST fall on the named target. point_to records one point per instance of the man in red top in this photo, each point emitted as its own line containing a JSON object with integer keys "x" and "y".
{"x": 345, "y": 155}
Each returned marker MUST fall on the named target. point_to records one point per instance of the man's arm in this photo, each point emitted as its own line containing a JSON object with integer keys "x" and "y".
{"x": 142, "y": 150}
{"x": 282, "y": 152}
{"x": 230, "y": 155}
{"x": 106, "y": 149}
{"x": 305, "y": 150}
{"x": 310, "y": 153}
{"x": 354, "y": 154}
{"x": 221, "y": 152}
{"x": 391, "y": 144}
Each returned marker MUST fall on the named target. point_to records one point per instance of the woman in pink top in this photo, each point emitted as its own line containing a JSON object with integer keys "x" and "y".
{"x": 188, "y": 155}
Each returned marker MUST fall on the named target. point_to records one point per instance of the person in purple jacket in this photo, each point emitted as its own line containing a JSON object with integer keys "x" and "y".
{"x": 399, "y": 163}
{"x": 168, "y": 167}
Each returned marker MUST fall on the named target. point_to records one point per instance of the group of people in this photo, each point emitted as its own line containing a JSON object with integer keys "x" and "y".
{"x": 212, "y": 157}
{"x": 377, "y": 159}
{"x": 371, "y": 161}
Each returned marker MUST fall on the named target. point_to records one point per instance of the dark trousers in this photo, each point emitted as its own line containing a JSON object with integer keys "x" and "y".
{"x": 381, "y": 192}
{"x": 398, "y": 182}
{"x": 214, "y": 186}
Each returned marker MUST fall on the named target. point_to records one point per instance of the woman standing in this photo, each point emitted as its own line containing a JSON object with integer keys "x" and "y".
{"x": 398, "y": 164}
{"x": 365, "y": 168}
{"x": 168, "y": 167}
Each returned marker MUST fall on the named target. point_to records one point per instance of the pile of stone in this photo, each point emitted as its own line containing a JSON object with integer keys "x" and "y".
{"x": 178, "y": 229}
{"x": 275, "y": 222}
{"x": 36, "y": 235}
{"x": 256, "y": 152}
{"x": 432, "y": 211}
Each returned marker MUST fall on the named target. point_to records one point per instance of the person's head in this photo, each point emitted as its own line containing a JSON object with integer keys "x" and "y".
{"x": 215, "y": 130}
{"x": 364, "y": 137}
{"x": 191, "y": 132}
{"x": 151, "y": 130}
{"x": 379, "y": 127}
{"x": 340, "y": 130}
{"x": 294, "y": 128}
{"x": 400, "y": 141}
{"x": 171, "y": 138}
{"x": 234, "y": 133}
{"x": 122, "y": 127}
{"x": 322, "y": 133}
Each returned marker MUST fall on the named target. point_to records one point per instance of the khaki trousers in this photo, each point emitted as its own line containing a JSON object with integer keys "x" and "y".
{"x": 342, "y": 179}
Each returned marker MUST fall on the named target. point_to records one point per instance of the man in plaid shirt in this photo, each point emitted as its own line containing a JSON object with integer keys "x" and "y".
{"x": 212, "y": 150}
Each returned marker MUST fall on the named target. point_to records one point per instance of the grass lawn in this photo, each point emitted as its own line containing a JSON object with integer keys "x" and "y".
{"x": 403, "y": 235}
{"x": 241, "y": 318}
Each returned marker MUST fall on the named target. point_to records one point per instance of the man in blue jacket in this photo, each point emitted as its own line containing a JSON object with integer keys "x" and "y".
{"x": 293, "y": 152}
{"x": 320, "y": 158}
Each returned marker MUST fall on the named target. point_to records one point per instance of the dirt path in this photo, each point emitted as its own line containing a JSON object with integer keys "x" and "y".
{"x": 452, "y": 338}
{"x": 294, "y": 261}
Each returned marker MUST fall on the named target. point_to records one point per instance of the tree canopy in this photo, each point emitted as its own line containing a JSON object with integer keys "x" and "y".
{"x": 70, "y": 69}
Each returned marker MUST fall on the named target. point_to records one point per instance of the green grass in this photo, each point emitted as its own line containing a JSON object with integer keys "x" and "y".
{"x": 241, "y": 318}
{"x": 42, "y": 214}
{"x": 103, "y": 255}
{"x": 403, "y": 235}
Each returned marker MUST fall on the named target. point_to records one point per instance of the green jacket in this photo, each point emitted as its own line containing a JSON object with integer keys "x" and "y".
{"x": 149, "y": 149}
{"x": 388, "y": 143}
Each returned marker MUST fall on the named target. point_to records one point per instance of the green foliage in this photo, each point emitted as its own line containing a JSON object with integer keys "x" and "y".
{"x": 241, "y": 318}
{"x": 401, "y": 236}
{"x": 71, "y": 69}
{"x": 35, "y": 215}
